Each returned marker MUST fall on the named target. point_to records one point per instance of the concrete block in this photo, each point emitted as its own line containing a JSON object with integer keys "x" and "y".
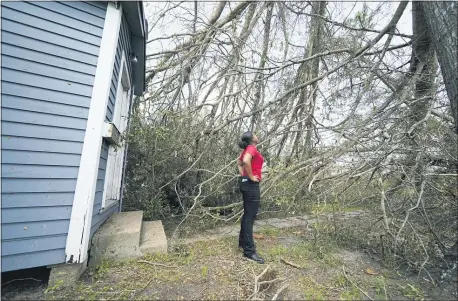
{"x": 65, "y": 275}
{"x": 153, "y": 239}
{"x": 118, "y": 238}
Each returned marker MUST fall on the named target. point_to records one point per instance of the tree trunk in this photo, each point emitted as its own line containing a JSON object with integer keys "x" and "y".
{"x": 310, "y": 70}
{"x": 424, "y": 66}
{"x": 441, "y": 18}
{"x": 259, "y": 85}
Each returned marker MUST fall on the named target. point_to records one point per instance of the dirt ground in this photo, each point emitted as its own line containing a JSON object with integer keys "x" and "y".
{"x": 306, "y": 268}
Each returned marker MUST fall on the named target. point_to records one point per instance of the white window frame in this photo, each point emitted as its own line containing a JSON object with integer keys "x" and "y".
{"x": 113, "y": 172}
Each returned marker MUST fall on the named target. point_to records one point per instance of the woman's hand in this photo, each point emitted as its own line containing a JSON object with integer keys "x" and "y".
{"x": 254, "y": 179}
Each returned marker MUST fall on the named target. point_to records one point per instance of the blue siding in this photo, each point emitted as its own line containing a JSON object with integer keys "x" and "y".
{"x": 49, "y": 57}
{"x": 33, "y": 245}
{"x": 33, "y": 259}
{"x": 124, "y": 44}
{"x": 31, "y": 199}
{"x": 34, "y": 229}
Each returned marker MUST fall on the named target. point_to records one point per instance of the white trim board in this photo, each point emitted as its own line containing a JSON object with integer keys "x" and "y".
{"x": 0, "y": 118}
{"x": 83, "y": 201}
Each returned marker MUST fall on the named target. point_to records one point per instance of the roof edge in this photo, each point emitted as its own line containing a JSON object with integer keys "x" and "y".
{"x": 135, "y": 17}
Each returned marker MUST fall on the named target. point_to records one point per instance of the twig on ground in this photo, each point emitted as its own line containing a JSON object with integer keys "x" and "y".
{"x": 257, "y": 278}
{"x": 279, "y": 291}
{"x": 238, "y": 290}
{"x": 158, "y": 264}
{"x": 200, "y": 293}
{"x": 290, "y": 263}
{"x": 37, "y": 280}
{"x": 142, "y": 290}
{"x": 256, "y": 282}
{"x": 349, "y": 280}
{"x": 117, "y": 292}
{"x": 384, "y": 290}
{"x": 271, "y": 281}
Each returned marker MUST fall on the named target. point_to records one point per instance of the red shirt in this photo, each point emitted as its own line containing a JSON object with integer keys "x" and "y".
{"x": 256, "y": 161}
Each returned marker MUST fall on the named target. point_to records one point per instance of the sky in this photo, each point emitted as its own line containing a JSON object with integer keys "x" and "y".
{"x": 171, "y": 25}
{"x": 176, "y": 20}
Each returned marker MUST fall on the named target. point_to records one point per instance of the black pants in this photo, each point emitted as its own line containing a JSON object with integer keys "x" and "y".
{"x": 251, "y": 197}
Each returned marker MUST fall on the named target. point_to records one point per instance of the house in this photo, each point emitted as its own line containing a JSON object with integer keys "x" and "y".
{"x": 70, "y": 71}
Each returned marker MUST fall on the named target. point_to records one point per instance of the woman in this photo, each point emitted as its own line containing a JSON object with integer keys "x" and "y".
{"x": 250, "y": 166}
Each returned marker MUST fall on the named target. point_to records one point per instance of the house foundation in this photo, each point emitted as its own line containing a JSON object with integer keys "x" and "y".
{"x": 65, "y": 275}
{"x": 125, "y": 236}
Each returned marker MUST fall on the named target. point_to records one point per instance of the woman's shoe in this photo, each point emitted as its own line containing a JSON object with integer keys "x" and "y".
{"x": 255, "y": 257}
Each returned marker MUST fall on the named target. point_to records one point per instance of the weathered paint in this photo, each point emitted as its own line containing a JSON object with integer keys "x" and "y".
{"x": 49, "y": 58}
{"x": 124, "y": 44}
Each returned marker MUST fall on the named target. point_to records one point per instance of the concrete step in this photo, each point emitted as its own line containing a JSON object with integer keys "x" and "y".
{"x": 118, "y": 238}
{"x": 153, "y": 239}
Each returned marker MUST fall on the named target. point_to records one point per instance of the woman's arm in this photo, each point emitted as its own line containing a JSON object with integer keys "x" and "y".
{"x": 240, "y": 166}
{"x": 247, "y": 165}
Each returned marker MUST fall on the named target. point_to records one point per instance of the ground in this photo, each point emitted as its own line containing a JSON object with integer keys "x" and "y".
{"x": 312, "y": 268}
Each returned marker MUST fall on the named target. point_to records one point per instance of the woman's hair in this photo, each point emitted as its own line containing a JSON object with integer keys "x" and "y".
{"x": 245, "y": 140}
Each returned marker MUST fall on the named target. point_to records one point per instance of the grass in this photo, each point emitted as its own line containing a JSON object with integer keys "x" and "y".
{"x": 216, "y": 264}
{"x": 351, "y": 294}
{"x": 380, "y": 288}
{"x": 216, "y": 270}
{"x": 338, "y": 208}
{"x": 412, "y": 292}
{"x": 275, "y": 252}
{"x": 269, "y": 231}
{"x": 311, "y": 289}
